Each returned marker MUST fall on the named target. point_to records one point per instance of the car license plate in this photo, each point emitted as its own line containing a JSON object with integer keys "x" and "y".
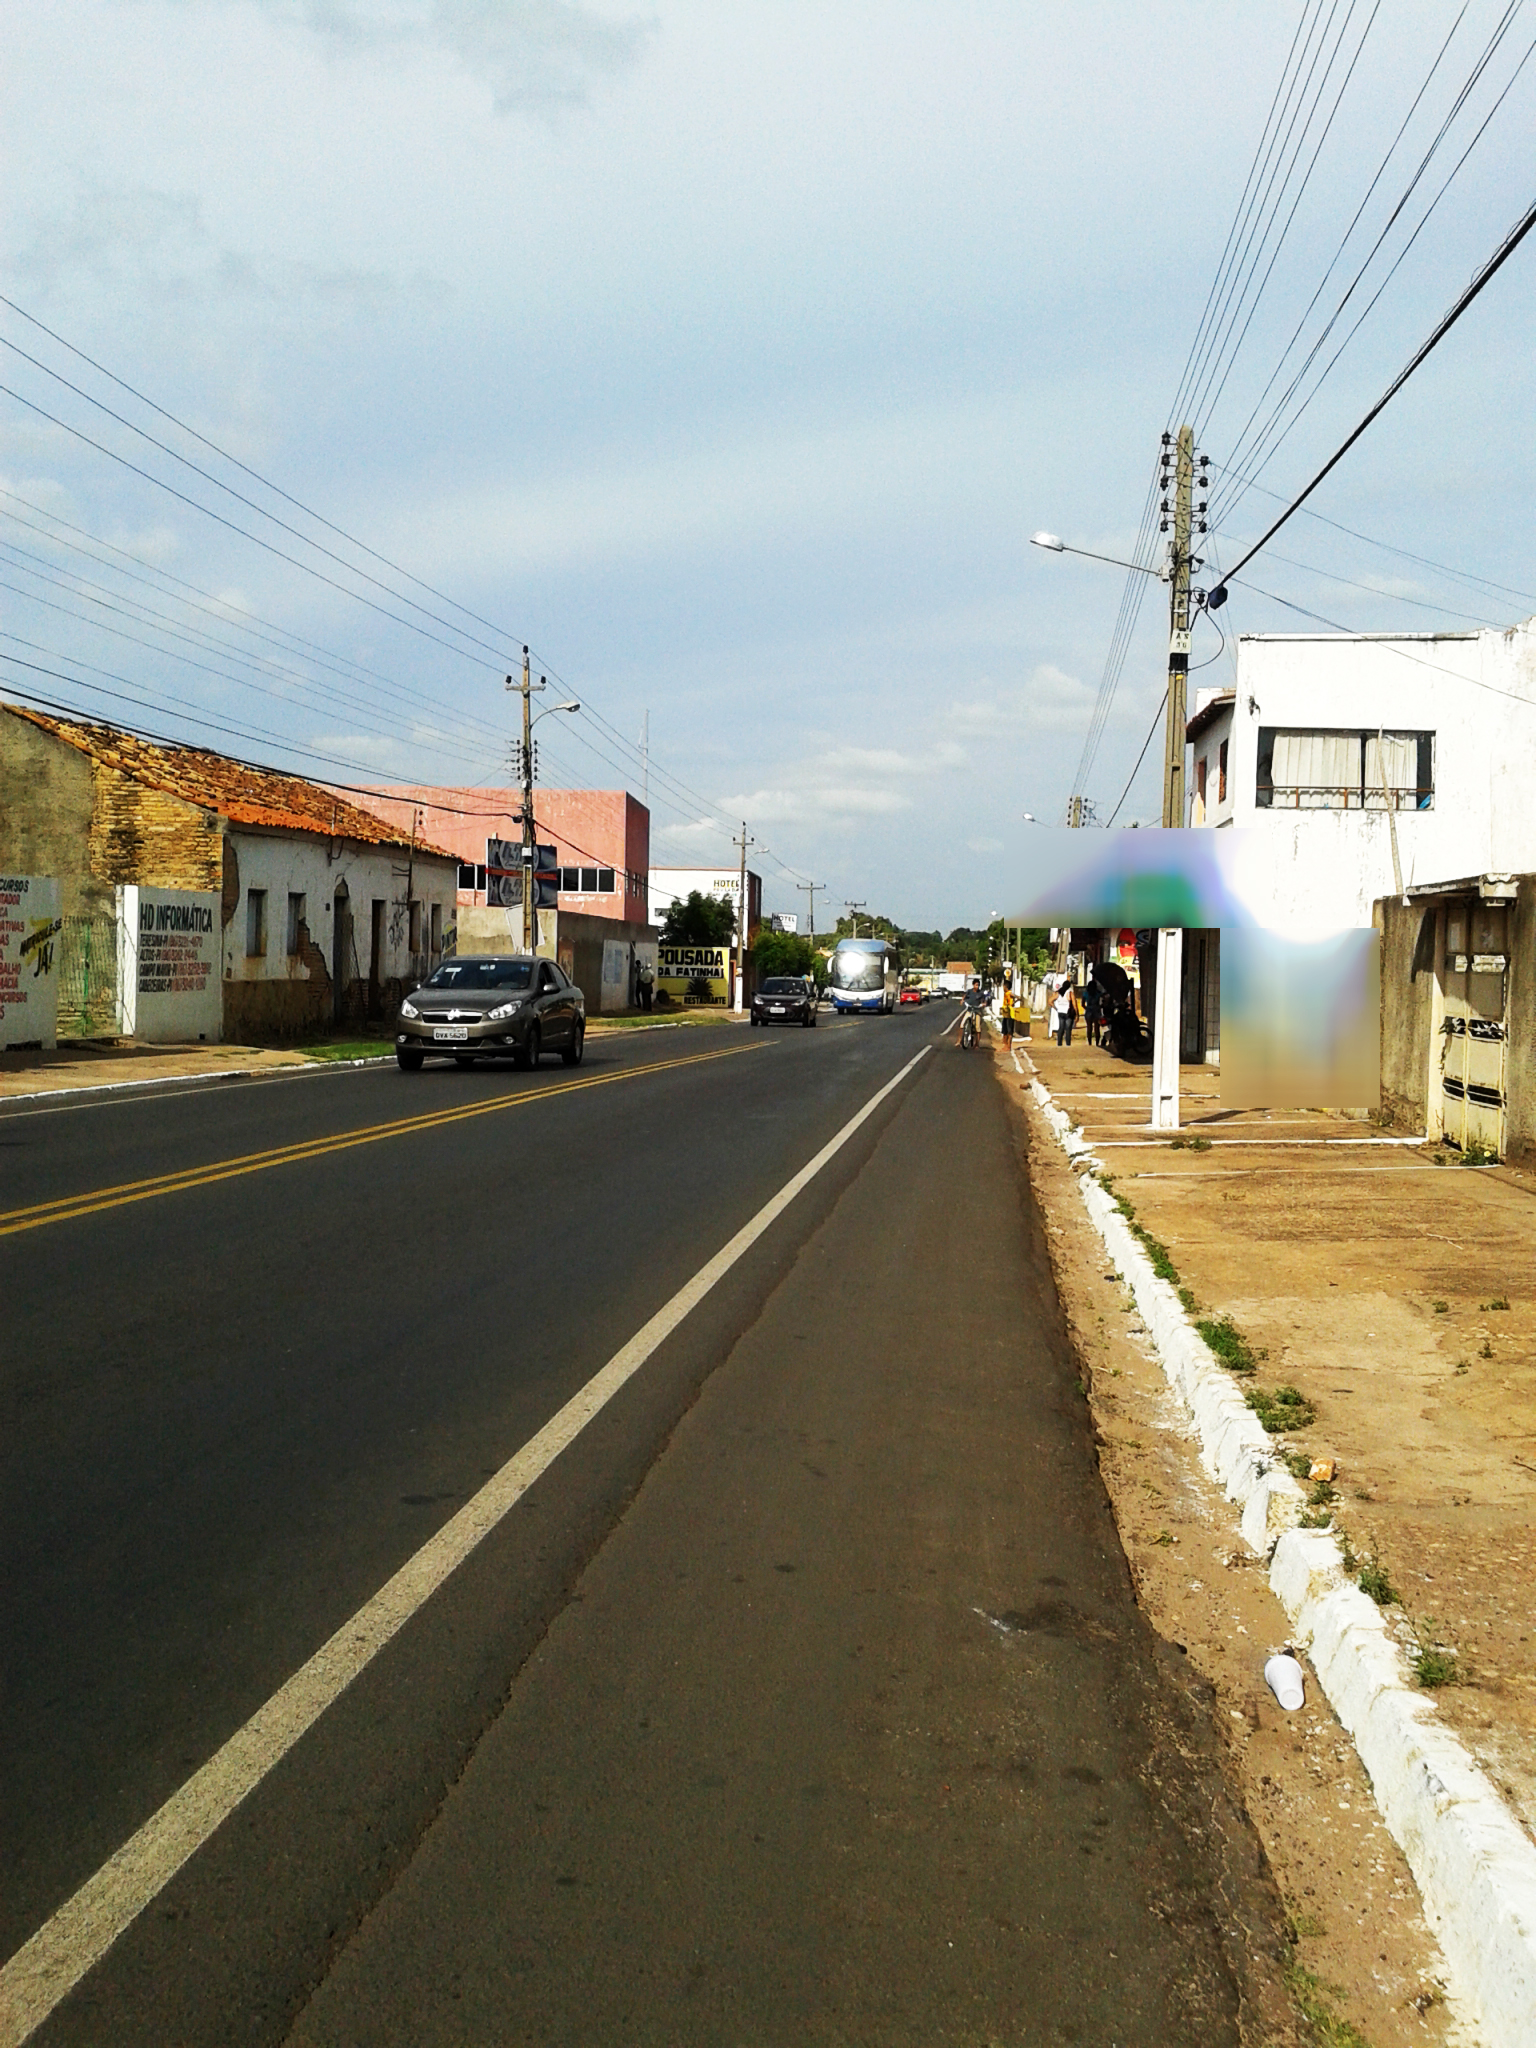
{"x": 775, "y": 1009}
{"x": 450, "y": 1031}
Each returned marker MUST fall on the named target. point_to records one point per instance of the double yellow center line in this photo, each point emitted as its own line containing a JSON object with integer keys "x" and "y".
{"x": 91, "y": 1203}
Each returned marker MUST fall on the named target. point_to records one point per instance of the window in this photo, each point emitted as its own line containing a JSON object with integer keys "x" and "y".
{"x": 436, "y": 929}
{"x": 415, "y": 946}
{"x": 1324, "y": 770}
{"x": 255, "y": 924}
{"x": 589, "y": 881}
{"x": 605, "y": 881}
{"x": 1200, "y": 767}
{"x": 296, "y": 917}
{"x": 1221, "y": 774}
{"x": 466, "y": 874}
{"x": 570, "y": 880}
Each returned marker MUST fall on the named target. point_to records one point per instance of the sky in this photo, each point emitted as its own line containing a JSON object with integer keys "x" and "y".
{"x": 729, "y": 356}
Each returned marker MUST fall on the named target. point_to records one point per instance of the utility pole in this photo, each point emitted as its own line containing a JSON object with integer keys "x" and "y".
{"x": 741, "y": 920}
{"x": 810, "y": 888}
{"x": 853, "y": 910}
{"x": 1180, "y": 455}
{"x": 1167, "y": 1019}
{"x": 530, "y": 913}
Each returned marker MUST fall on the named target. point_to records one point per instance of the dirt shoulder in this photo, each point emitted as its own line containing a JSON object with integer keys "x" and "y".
{"x": 108, "y": 1065}
{"x": 1363, "y": 1948}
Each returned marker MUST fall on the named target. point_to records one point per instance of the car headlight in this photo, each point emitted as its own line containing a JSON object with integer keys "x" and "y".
{"x": 502, "y": 1012}
{"x": 409, "y": 1009}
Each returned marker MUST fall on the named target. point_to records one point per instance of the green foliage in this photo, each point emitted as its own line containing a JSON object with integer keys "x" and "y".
{"x": 1315, "y": 2005}
{"x": 1432, "y": 1667}
{"x": 1229, "y": 1344}
{"x": 1162, "y": 1264}
{"x": 1373, "y": 1582}
{"x": 1498, "y": 1301}
{"x": 1285, "y": 1408}
{"x": 699, "y": 921}
{"x": 1475, "y": 1153}
{"x": 780, "y": 953}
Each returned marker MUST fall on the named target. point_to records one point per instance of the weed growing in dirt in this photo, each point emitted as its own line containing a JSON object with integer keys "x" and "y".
{"x": 1315, "y": 1518}
{"x": 1162, "y": 1264}
{"x": 1187, "y": 1300}
{"x": 1177, "y": 1144}
{"x": 1229, "y": 1345}
{"x": 1323, "y": 1494}
{"x": 1347, "y": 1555}
{"x": 1499, "y": 1301}
{"x": 1432, "y": 1667}
{"x": 1462, "y": 1365}
{"x": 1441, "y": 1308}
{"x": 1199, "y": 1144}
{"x": 1315, "y": 2005}
{"x": 1297, "y": 1463}
{"x": 1485, "y": 1349}
{"x": 1373, "y": 1582}
{"x": 1285, "y": 1409}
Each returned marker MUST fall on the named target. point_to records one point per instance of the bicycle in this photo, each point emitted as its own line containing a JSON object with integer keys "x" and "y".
{"x": 970, "y": 1029}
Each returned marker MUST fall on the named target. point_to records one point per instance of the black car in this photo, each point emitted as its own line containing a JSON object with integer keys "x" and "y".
{"x": 492, "y": 1006}
{"x": 785, "y": 999}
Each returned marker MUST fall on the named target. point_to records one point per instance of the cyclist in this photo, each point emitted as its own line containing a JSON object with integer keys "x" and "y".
{"x": 975, "y": 1008}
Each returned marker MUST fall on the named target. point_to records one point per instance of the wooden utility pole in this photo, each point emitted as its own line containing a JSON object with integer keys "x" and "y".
{"x": 744, "y": 841}
{"x": 1178, "y": 627}
{"x": 810, "y": 888}
{"x": 530, "y": 912}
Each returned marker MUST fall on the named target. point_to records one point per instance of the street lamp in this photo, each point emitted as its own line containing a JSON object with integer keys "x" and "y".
{"x": 1054, "y": 545}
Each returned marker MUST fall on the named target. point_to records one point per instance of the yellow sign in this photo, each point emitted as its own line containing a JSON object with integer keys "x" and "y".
{"x": 694, "y": 974}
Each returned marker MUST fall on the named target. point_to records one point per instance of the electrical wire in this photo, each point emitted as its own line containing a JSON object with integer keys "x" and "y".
{"x": 1151, "y": 729}
{"x": 1269, "y": 438}
{"x": 1484, "y": 276}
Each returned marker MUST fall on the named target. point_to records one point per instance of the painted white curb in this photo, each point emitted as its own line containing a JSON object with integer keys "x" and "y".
{"x": 1474, "y": 1866}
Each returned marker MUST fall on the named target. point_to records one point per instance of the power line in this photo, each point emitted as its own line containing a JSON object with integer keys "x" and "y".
{"x": 1489, "y": 270}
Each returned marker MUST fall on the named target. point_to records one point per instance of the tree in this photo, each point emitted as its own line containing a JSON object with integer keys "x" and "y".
{"x": 780, "y": 953}
{"x": 699, "y": 921}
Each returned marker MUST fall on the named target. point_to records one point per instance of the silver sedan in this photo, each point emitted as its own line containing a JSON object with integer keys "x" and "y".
{"x": 493, "y": 1006}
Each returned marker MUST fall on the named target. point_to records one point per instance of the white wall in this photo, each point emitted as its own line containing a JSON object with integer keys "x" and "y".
{"x": 169, "y": 965}
{"x": 29, "y": 960}
{"x": 1322, "y": 870}
{"x": 301, "y": 863}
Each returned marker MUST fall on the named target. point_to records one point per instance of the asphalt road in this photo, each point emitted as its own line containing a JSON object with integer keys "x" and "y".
{"x": 802, "y": 1697}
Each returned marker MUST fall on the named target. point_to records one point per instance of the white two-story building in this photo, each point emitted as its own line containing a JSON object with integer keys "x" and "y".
{"x": 1372, "y": 764}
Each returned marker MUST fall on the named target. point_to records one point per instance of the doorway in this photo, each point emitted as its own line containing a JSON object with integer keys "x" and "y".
{"x": 376, "y": 960}
{"x": 341, "y": 950}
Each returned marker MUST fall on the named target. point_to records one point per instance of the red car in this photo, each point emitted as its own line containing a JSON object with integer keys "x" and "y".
{"x": 913, "y": 995}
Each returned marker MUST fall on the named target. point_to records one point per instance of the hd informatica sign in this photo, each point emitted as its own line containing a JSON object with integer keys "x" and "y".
{"x": 693, "y": 974}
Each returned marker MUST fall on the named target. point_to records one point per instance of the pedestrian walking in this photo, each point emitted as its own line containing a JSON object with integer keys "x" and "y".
{"x": 647, "y": 980}
{"x": 1008, "y": 1013}
{"x": 1064, "y": 1010}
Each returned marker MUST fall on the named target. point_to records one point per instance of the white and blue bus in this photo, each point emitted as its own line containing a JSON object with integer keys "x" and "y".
{"x": 864, "y": 974}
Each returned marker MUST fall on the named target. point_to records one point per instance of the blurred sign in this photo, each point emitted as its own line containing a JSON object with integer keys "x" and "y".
{"x": 505, "y": 860}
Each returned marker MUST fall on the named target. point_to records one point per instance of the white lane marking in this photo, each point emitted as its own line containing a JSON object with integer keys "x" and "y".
{"x": 46, "y": 1968}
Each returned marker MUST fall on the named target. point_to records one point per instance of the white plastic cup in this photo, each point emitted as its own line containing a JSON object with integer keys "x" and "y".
{"x": 1287, "y": 1681}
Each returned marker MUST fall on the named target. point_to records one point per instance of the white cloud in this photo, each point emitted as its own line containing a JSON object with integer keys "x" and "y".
{"x": 532, "y": 53}
{"x": 1049, "y": 701}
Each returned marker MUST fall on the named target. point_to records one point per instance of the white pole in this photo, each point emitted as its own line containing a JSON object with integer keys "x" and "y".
{"x": 1166, "y": 1029}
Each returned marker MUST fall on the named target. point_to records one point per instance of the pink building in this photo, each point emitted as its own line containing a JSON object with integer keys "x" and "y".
{"x": 603, "y": 837}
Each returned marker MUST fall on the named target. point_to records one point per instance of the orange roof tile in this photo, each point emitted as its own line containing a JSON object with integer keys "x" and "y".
{"x": 233, "y": 790}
